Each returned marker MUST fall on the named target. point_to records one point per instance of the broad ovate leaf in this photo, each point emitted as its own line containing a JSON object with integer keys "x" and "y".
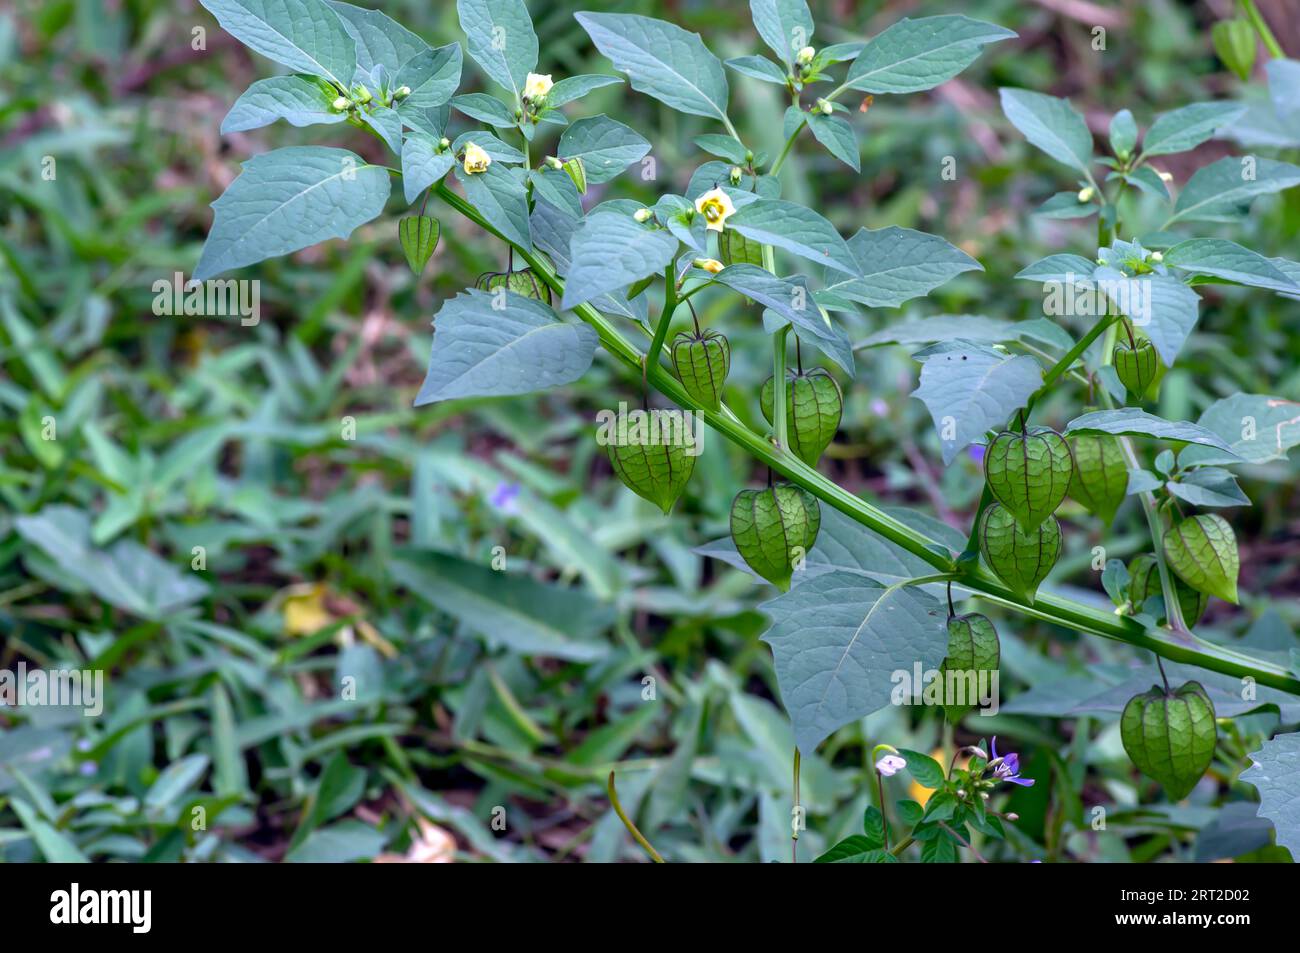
{"x": 288, "y": 199}
{"x": 836, "y": 640}
{"x": 491, "y": 344}
{"x": 1051, "y": 124}
{"x": 307, "y": 36}
{"x": 913, "y": 55}
{"x": 661, "y": 60}
{"x": 501, "y": 40}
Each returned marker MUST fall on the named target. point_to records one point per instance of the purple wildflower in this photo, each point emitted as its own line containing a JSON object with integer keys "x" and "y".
{"x": 1007, "y": 768}
{"x": 505, "y": 498}
{"x": 976, "y": 453}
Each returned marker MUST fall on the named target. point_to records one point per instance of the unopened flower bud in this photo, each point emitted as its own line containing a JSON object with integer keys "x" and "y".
{"x": 961, "y": 793}
{"x": 1085, "y": 194}
{"x": 824, "y": 107}
{"x": 805, "y": 56}
{"x": 363, "y": 95}
{"x": 341, "y": 104}
{"x": 1013, "y": 817}
{"x": 735, "y": 175}
{"x": 711, "y": 265}
{"x": 554, "y": 163}
{"x": 444, "y": 144}
{"x": 1157, "y": 256}
{"x": 1165, "y": 176}
{"x": 642, "y": 215}
{"x": 402, "y": 92}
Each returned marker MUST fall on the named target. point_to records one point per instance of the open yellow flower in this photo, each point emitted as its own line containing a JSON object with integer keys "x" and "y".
{"x": 715, "y": 205}
{"x": 536, "y": 86}
{"x": 476, "y": 160}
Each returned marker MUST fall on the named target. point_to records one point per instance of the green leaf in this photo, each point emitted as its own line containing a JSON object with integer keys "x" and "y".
{"x": 793, "y": 301}
{"x": 940, "y": 849}
{"x": 433, "y": 76}
{"x": 913, "y": 55}
{"x": 1123, "y": 132}
{"x": 1220, "y": 190}
{"x": 501, "y": 40}
{"x": 387, "y": 123}
{"x": 1163, "y": 307}
{"x": 1052, "y": 125}
{"x": 125, "y": 574}
{"x": 300, "y": 101}
{"x": 484, "y": 108}
{"x": 289, "y": 199}
{"x": 557, "y": 187}
{"x": 758, "y": 67}
{"x": 175, "y": 781}
{"x": 797, "y": 229}
{"x": 896, "y": 264}
{"x": 1149, "y": 181}
{"x": 605, "y": 146}
{"x": 1188, "y": 127}
{"x": 1275, "y": 773}
{"x": 1209, "y": 486}
{"x": 553, "y": 231}
{"x": 339, "y": 843}
{"x": 500, "y": 198}
{"x": 419, "y": 237}
{"x": 380, "y": 40}
{"x": 612, "y": 250}
{"x": 509, "y": 610}
{"x": 1228, "y": 260}
{"x": 422, "y": 164}
{"x": 1066, "y": 205}
{"x": 1257, "y": 429}
{"x": 1171, "y": 738}
{"x": 837, "y": 638}
{"x": 835, "y": 133}
{"x": 724, "y": 146}
{"x": 785, "y": 26}
{"x": 307, "y": 36}
{"x": 1202, "y": 550}
{"x": 490, "y": 344}
{"x": 924, "y": 770}
{"x": 971, "y": 389}
{"x": 55, "y": 846}
{"x": 575, "y": 87}
{"x": 662, "y": 60}
{"x": 1138, "y": 423}
{"x": 857, "y": 849}
{"x": 1059, "y": 269}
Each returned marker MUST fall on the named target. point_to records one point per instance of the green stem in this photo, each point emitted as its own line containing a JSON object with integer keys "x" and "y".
{"x": 627, "y": 822}
{"x": 794, "y": 816}
{"x": 665, "y": 321}
{"x": 974, "y": 578}
{"x": 789, "y": 144}
{"x": 780, "y": 425}
{"x": 1270, "y": 41}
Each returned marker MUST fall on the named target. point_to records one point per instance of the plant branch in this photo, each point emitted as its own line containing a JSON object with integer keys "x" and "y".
{"x": 974, "y": 578}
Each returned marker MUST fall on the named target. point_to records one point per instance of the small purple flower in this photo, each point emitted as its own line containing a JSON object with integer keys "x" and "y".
{"x": 505, "y": 498}
{"x": 976, "y": 453}
{"x": 1008, "y": 768}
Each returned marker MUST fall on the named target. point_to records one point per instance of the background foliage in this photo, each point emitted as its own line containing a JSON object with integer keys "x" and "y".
{"x": 330, "y": 557}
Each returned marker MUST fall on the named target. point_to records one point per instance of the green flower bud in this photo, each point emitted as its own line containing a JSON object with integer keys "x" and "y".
{"x": 341, "y": 104}
{"x": 1171, "y": 737}
{"x": 774, "y": 529}
{"x": 1029, "y": 473}
{"x": 1021, "y": 558}
{"x": 813, "y": 406}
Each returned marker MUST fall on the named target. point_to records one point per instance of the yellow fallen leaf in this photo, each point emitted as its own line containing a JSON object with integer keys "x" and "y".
{"x": 304, "y": 610}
